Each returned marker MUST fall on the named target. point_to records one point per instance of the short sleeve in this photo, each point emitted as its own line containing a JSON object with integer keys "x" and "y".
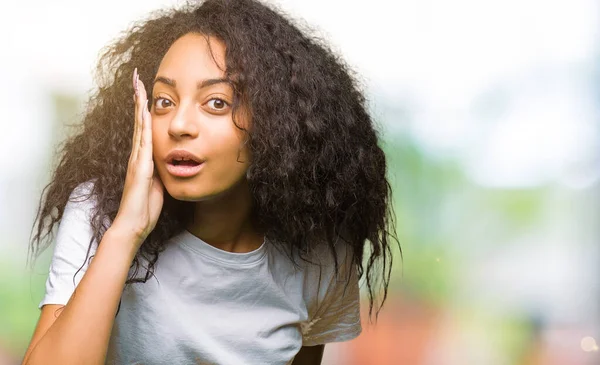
{"x": 73, "y": 238}
{"x": 338, "y": 317}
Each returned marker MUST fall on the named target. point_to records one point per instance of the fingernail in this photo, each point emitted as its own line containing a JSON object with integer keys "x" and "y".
{"x": 135, "y": 82}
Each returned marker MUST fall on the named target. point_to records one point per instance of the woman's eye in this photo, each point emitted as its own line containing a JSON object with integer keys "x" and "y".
{"x": 162, "y": 103}
{"x": 217, "y": 104}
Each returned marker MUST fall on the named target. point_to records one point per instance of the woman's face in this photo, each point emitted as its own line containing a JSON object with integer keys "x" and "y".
{"x": 191, "y": 111}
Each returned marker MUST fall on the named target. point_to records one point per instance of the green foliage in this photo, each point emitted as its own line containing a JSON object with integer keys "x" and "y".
{"x": 421, "y": 187}
{"x": 20, "y": 294}
{"x": 441, "y": 214}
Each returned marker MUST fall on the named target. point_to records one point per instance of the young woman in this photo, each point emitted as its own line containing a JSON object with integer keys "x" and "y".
{"x": 224, "y": 216}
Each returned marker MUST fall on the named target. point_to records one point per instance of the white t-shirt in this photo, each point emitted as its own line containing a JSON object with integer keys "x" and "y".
{"x": 210, "y": 306}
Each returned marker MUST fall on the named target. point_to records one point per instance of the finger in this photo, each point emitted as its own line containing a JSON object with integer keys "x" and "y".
{"x": 136, "y": 119}
{"x": 157, "y": 184}
{"x": 143, "y": 95}
{"x": 156, "y": 196}
{"x": 146, "y": 145}
{"x": 142, "y": 108}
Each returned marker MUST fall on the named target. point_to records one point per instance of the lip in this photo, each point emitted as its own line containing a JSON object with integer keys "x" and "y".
{"x": 179, "y": 153}
{"x": 183, "y": 170}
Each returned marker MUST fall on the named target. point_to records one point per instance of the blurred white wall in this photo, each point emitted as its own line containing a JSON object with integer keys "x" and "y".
{"x": 482, "y": 80}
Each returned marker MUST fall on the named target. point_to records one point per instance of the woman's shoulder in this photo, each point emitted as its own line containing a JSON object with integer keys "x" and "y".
{"x": 326, "y": 255}
{"x": 318, "y": 268}
{"x": 319, "y": 257}
{"x": 82, "y": 196}
{"x": 80, "y": 206}
{"x": 83, "y": 189}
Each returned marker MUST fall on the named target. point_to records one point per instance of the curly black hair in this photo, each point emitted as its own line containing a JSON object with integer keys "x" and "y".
{"x": 317, "y": 174}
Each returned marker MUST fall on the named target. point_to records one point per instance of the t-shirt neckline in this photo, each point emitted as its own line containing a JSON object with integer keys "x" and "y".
{"x": 201, "y": 247}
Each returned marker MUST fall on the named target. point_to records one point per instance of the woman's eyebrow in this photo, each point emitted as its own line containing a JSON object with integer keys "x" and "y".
{"x": 200, "y": 85}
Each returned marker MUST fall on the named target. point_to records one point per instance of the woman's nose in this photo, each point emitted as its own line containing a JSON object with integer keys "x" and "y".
{"x": 184, "y": 123}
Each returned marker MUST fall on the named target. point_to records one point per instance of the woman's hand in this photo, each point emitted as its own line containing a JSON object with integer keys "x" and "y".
{"x": 142, "y": 198}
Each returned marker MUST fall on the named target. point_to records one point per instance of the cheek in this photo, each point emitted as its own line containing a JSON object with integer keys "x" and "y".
{"x": 159, "y": 144}
{"x": 155, "y": 142}
{"x": 232, "y": 159}
{"x": 230, "y": 145}
{"x": 159, "y": 133}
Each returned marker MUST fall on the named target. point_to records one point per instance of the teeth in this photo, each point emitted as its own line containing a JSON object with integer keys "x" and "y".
{"x": 178, "y": 160}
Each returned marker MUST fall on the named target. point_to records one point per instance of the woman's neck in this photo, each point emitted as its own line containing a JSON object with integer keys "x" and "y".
{"x": 225, "y": 222}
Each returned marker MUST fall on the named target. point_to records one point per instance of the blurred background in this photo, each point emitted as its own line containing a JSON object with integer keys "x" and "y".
{"x": 488, "y": 112}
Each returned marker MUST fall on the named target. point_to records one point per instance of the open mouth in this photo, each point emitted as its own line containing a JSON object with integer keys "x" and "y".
{"x": 186, "y": 168}
{"x": 184, "y": 163}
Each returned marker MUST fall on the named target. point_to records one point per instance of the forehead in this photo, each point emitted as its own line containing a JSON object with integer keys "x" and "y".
{"x": 194, "y": 56}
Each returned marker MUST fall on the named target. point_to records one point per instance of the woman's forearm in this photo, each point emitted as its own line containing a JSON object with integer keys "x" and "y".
{"x": 81, "y": 333}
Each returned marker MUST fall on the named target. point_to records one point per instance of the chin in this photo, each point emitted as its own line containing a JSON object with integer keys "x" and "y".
{"x": 193, "y": 194}
{"x": 188, "y": 197}
{"x": 190, "y": 190}
{"x": 184, "y": 191}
